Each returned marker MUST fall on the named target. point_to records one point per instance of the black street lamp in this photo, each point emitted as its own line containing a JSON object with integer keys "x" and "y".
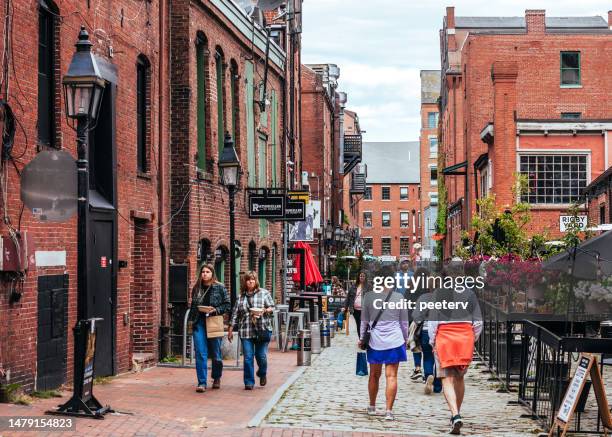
{"x": 229, "y": 173}
{"x": 83, "y": 89}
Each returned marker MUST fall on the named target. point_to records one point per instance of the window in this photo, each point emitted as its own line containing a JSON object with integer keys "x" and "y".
{"x": 432, "y": 120}
{"x": 570, "y": 68}
{"x": 403, "y": 193}
{"x": 433, "y": 147}
{"x": 250, "y": 123}
{"x": 274, "y": 133}
{"x": 404, "y": 219}
{"x": 220, "y": 98}
{"x": 484, "y": 183}
{"x": 433, "y": 175}
{"x": 386, "y": 219}
{"x": 201, "y": 75}
{"x": 570, "y": 115}
{"x": 46, "y": 76}
{"x": 385, "y": 243}
{"x": 142, "y": 101}
{"x": 602, "y": 214}
{"x": 554, "y": 179}
{"x": 386, "y": 193}
{"x": 367, "y": 219}
{"x": 234, "y": 102}
{"x": 404, "y": 246}
{"x": 433, "y": 198}
{"x": 368, "y": 193}
{"x": 367, "y": 244}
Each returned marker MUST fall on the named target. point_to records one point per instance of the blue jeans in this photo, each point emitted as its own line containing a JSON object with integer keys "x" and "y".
{"x": 417, "y": 358}
{"x": 203, "y": 348}
{"x": 429, "y": 362}
{"x": 259, "y": 351}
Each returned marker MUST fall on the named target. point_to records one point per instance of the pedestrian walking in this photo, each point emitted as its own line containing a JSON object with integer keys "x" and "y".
{"x": 452, "y": 334}
{"x": 252, "y": 318}
{"x": 383, "y": 333}
{"x": 404, "y": 287}
{"x": 420, "y": 318}
{"x": 337, "y": 289}
{"x": 209, "y": 298}
{"x": 355, "y": 296}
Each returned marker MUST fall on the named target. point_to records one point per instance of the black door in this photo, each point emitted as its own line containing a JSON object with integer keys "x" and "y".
{"x": 52, "y": 331}
{"x": 101, "y": 293}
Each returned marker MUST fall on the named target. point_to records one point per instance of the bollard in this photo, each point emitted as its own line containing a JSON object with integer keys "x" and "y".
{"x": 325, "y": 339}
{"x": 332, "y": 328}
{"x": 304, "y": 351}
{"x": 315, "y": 337}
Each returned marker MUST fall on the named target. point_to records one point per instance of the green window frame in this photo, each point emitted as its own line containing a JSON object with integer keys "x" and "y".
{"x": 220, "y": 105}
{"x": 274, "y": 134}
{"x": 570, "y": 69}
{"x": 250, "y": 123}
{"x": 262, "y": 176}
{"x": 201, "y": 101}
{"x": 234, "y": 100}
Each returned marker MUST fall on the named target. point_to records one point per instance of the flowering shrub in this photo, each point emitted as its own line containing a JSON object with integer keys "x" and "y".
{"x": 599, "y": 291}
{"x": 512, "y": 270}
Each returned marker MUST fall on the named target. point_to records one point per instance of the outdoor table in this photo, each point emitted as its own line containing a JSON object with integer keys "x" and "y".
{"x": 302, "y": 302}
{"x": 319, "y": 297}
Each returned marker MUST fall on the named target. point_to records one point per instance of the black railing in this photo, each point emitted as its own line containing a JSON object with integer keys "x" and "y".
{"x": 545, "y": 370}
{"x": 352, "y": 152}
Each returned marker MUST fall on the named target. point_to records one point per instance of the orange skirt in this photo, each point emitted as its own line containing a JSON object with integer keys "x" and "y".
{"x": 455, "y": 344}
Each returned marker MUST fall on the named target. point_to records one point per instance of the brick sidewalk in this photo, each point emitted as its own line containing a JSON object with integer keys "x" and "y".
{"x": 163, "y": 402}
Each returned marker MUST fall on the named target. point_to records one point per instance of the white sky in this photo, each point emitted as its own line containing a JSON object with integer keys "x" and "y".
{"x": 381, "y": 45}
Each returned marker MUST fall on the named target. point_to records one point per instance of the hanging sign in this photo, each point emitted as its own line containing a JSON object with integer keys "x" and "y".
{"x": 266, "y": 207}
{"x": 295, "y": 210}
{"x": 299, "y": 195}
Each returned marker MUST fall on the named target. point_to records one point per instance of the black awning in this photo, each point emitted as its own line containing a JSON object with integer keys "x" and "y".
{"x": 452, "y": 170}
{"x": 481, "y": 161}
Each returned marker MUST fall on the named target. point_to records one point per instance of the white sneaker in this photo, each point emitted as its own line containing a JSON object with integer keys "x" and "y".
{"x": 371, "y": 411}
{"x": 429, "y": 385}
{"x": 389, "y": 416}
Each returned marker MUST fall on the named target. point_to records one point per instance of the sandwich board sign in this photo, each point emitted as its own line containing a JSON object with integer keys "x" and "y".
{"x": 587, "y": 366}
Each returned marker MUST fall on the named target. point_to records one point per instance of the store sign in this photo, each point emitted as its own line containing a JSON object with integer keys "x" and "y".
{"x": 299, "y": 195}
{"x": 266, "y": 207}
{"x": 565, "y": 221}
{"x": 295, "y": 210}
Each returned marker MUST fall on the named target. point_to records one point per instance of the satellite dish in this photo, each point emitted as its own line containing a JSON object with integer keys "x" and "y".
{"x": 269, "y": 5}
{"x": 49, "y": 186}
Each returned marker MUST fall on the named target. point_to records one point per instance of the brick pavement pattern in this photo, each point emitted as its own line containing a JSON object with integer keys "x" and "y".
{"x": 330, "y": 396}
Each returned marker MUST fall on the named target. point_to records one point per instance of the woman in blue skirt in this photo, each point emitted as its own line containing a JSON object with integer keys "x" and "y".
{"x": 387, "y": 343}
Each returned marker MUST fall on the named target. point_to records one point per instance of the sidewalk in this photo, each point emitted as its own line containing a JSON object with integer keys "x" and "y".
{"x": 162, "y": 402}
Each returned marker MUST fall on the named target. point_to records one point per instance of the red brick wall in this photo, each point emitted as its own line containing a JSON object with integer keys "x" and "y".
{"x": 471, "y": 105}
{"x": 144, "y": 306}
{"x": 129, "y": 39}
{"x": 394, "y": 206}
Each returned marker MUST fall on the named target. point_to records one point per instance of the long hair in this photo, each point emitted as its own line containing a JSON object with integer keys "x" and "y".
{"x": 358, "y": 281}
{"x": 209, "y": 267}
{"x": 248, "y": 275}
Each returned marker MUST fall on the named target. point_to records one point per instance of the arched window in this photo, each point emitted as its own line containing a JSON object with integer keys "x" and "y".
{"x": 235, "y": 102}
{"x": 47, "y": 49}
{"x": 220, "y": 71}
{"x": 202, "y": 86}
{"x": 252, "y": 255}
{"x": 143, "y": 112}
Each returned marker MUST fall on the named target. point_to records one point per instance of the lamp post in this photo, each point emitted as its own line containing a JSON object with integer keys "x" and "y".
{"x": 229, "y": 174}
{"x": 83, "y": 89}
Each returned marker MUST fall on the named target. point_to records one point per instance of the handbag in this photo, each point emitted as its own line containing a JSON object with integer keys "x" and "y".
{"x": 365, "y": 340}
{"x": 414, "y": 337}
{"x": 214, "y": 324}
{"x": 260, "y": 334}
{"x": 361, "y": 368}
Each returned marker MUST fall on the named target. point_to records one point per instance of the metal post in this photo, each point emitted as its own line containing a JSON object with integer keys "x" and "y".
{"x": 232, "y": 191}
{"x": 284, "y": 270}
{"x": 83, "y": 203}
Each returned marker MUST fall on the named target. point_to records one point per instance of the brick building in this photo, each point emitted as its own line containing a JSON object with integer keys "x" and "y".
{"x": 391, "y": 217}
{"x": 128, "y": 175}
{"x": 430, "y": 92}
{"x": 524, "y": 95}
{"x": 599, "y": 199}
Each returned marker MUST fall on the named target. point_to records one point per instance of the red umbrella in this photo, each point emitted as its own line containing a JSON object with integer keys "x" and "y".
{"x": 311, "y": 271}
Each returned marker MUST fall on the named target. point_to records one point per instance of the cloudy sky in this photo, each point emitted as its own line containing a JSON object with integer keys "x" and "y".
{"x": 381, "y": 45}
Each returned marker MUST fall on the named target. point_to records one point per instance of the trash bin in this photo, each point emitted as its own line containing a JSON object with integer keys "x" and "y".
{"x": 304, "y": 351}
{"x": 332, "y": 328}
{"x": 325, "y": 336}
{"x": 315, "y": 337}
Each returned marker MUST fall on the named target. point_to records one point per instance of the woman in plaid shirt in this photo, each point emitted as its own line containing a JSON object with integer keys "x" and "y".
{"x": 252, "y": 318}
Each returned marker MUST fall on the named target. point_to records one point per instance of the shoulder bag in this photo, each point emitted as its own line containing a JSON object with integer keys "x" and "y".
{"x": 365, "y": 340}
{"x": 260, "y": 333}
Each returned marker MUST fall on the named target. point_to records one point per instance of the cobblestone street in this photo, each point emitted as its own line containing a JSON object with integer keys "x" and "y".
{"x": 330, "y": 396}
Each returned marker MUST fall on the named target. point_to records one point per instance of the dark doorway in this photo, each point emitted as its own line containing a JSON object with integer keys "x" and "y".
{"x": 52, "y": 331}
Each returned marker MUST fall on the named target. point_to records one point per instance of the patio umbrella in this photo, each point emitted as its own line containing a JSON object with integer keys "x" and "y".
{"x": 584, "y": 261}
{"x": 311, "y": 271}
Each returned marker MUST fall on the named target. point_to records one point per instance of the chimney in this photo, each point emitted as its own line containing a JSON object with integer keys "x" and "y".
{"x": 535, "y": 20}
{"x": 503, "y": 150}
{"x": 450, "y": 17}
{"x": 610, "y": 19}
